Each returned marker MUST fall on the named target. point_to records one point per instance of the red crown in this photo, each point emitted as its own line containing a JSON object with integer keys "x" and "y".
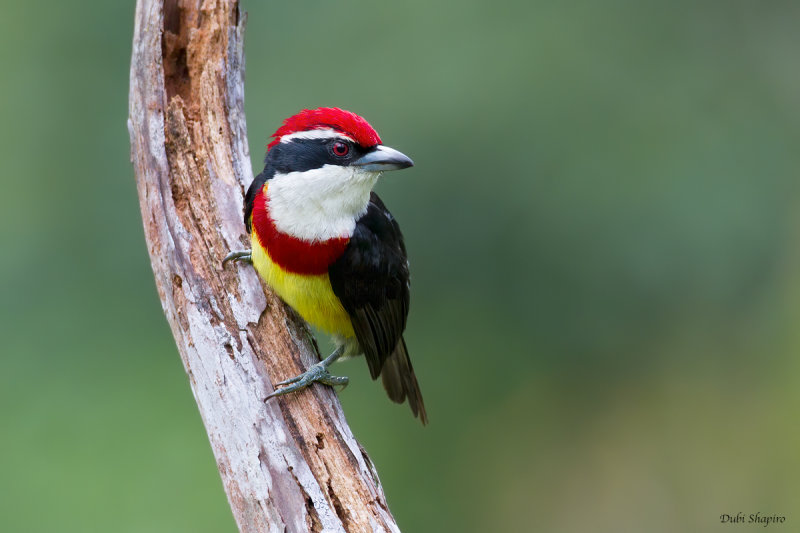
{"x": 340, "y": 120}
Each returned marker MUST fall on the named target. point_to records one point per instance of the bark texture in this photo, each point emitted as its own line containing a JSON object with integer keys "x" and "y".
{"x": 290, "y": 464}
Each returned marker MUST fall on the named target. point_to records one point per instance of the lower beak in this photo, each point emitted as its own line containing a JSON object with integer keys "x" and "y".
{"x": 383, "y": 158}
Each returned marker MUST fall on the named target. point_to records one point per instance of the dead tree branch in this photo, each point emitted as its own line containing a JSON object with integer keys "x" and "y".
{"x": 290, "y": 464}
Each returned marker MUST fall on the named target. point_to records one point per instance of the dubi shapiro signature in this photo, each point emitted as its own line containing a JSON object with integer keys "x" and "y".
{"x": 754, "y": 518}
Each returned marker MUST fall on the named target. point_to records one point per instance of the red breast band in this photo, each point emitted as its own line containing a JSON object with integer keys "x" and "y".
{"x": 290, "y": 253}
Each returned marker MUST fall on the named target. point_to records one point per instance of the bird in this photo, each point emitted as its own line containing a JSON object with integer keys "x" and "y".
{"x": 326, "y": 244}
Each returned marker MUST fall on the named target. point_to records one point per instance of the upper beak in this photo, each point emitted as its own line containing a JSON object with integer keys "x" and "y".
{"x": 383, "y": 158}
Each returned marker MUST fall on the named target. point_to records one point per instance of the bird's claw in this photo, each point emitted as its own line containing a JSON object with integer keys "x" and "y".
{"x": 317, "y": 373}
{"x": 243, "y": 256}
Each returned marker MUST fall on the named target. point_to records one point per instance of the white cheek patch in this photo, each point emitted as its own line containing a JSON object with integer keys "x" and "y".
{"x": 315, "y": 134}
{"x": 319, "y": 204}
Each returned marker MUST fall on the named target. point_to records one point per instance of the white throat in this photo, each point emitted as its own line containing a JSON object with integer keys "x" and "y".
{"x": 319, "y": 204}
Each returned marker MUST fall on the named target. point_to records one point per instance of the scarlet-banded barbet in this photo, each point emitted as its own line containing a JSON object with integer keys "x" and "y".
{"x": 328, "y": 246}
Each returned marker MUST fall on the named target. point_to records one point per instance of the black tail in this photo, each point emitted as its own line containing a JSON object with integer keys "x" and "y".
{"x": 401, "y": 383}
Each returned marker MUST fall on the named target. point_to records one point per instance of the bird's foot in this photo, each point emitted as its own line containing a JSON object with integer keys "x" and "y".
{"x": 317, "y": 373}
{"x": 244, "y": 256}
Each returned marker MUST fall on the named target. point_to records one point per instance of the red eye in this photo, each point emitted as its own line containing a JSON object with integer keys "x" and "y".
{"x": 341, "y": 149}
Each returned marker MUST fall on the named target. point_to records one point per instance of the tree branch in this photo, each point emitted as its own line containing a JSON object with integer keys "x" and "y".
{"x": 290, "y": 464}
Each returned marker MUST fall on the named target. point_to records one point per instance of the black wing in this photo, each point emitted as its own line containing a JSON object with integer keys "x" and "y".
{"x": 250, "y": 197}
{"x": 371, "y": 280}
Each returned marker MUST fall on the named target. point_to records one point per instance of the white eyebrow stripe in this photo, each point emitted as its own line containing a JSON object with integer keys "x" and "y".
{"x": 315, "y": 134}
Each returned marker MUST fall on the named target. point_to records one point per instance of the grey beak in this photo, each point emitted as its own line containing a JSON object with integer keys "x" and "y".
{"x": 383, "y": 158}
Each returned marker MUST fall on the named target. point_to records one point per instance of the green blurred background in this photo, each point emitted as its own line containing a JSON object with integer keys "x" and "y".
{"x": 604, "y": 233}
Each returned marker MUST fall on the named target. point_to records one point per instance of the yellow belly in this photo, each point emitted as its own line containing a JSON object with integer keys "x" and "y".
{"x": 311, "y": 296}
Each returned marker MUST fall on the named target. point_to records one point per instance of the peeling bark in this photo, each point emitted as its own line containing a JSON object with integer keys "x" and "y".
{"x": 290, "y": 464}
